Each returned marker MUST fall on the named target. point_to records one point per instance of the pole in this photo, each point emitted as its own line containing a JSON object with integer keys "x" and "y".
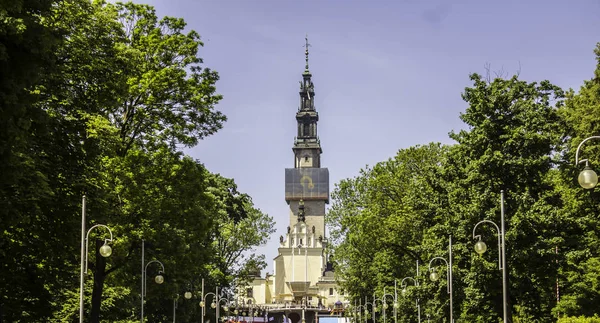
{"x": 143, "y": 282}
{"x": 384, "y": 299}
{"x": 373, "y": 307}
{"x": 395, "y": 301}
{"x": 82, "y": 273}
{"x": 418, "y": 305}
{"x": 366, "y": 311}
{"x": 218, "y": 303}
{"x": 450, "y": 276}
{"x": 504, "y": 274}
{"x": 202, "y": 300}
{"x": 174, "y": 308}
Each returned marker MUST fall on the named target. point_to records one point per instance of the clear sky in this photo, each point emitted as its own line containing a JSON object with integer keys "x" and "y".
{"x": 388, "y": 75}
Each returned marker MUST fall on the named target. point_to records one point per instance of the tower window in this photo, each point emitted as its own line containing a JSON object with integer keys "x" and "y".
{"x": 306, "y": 158}
{"x": 331, "y": 292}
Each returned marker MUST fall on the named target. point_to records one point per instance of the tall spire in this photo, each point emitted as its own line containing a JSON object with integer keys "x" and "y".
{"x": 306, "y": 143}
{"x": 306, "y": 45}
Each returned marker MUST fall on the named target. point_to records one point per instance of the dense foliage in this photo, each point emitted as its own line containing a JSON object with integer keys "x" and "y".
{"x": 98, "y": 99}
{"x": 520, "y": 137}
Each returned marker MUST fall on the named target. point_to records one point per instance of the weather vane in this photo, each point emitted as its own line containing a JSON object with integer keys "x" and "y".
{"x": 306, "y": 45}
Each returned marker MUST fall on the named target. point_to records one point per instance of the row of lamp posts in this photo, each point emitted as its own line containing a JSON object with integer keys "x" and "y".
{"x": 588, "y": 179}
{"x": 105, "y": 251}
{"x": 219, "y": 301}
{"x": 480, "y": 248}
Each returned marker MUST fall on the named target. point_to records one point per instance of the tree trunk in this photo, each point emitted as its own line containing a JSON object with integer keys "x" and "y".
{"x": 99, "y": 276}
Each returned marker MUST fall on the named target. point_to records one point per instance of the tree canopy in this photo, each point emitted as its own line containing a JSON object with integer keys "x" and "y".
{"x": 519, "y": 138}
{"x": 98, "y": 99}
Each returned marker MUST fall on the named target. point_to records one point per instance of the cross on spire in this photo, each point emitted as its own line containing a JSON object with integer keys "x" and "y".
{"x": 306, "y": 45}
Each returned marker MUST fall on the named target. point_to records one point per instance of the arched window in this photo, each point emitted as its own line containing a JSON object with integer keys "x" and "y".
{"x": 306, "y": 132}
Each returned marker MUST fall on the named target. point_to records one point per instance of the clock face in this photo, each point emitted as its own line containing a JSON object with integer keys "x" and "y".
{"x": 307, "y": 183}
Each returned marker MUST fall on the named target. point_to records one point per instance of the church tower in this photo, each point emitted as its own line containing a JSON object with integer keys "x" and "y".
{"x": 302, "y": 262}
{"x": 307, "y": 184}
{"x": 303, "y": 285}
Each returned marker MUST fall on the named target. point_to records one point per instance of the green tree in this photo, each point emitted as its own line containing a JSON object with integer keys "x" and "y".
{"x": 513, "y": 131}
{"x": 169, "y": 97}
{"x": 39, "y": 168}
{"x": 116, "y": 92}
{"x": 579, "y": 288}
{"x": 378, "y": 221}
{"x": 239, "y": 227}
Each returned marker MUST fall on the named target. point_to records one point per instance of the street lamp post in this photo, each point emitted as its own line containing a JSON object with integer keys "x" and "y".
{"x": 359, "y": 309}
{"x": 226, "y": 304}
{"x": 236, "y": 311}
{"x": 384, "y": 304}
{"x": 396, "y": 305}
{"x": 175, "y": 306}
{"x": 416, "y": 283}
{"x": 353, "y": 311}
{"x": 215, "y": 303}
{"x": 435, "y": 276}
{"x": 588, "y": 179}
{"x": 480, "y": 248}
{"x": 105, "y": 251}
{"x": 367, "y": 309}
{"x": 374, "y": 307}
{"x": 159, "y": 279}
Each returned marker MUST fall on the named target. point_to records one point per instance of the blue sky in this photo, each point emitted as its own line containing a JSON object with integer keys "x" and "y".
{"x": 388, "y": 75}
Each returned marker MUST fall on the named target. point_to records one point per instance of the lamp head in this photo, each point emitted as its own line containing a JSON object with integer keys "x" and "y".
{"x": 187, "y": 295}
{"x": 213, "y": 305}
{"x": 588, "y": 179}
{"x": 385, "y": 306}
{"x": 159, "y": 279}
{"x": 434, "y": 276}
{"x": 480, "y": 247}
{"x": 396, "y": 305}
{"x": 105, "y": 250}
{"x": 225, "y": 308}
